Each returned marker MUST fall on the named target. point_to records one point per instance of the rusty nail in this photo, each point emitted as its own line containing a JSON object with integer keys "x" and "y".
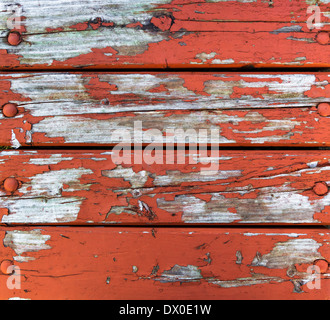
{"x": 14, "y": 38}
{"x": 5, "y": 264}
{"x": 323, "y": 265}
{"x": 323, "y": 37}
{"x": 11, "y": 184}
{"x": 324, "y": 109}
{"x": 321, "y": 188}
{"x": 9, "y": 110}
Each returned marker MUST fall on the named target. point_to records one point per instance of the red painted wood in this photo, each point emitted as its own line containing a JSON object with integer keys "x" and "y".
{"x": 164, "y": 33}
{"x": 60, "y": 191}
{"x": 251, "y": 109}
{"x": 162, "y": 263}
{"x": 223, "y": 187}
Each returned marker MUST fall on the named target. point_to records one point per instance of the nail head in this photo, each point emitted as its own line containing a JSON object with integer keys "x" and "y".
{"x": 14, "y": 38}
{"x": 163, "y": 23}
{"x": 323, "y": 265}
{"x": 9, "y": 110}
{"x": 321, "y": 188}
{"x": 324, "y": 109}
{"x": 323, "y": 37}
{"x": 5, "y": 264}
{"x": 10, "y": 184}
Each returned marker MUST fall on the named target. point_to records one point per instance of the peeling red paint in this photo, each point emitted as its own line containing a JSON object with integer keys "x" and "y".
{"x": 192, "y": 32}
{"x": 180, "y": 263}
{"x": 59, "y": 29}
{"x": 257, "y": 122}
{"x": 251, "y": 187}
{"x": 134, "y": 25}
{"x": 163, "y": 23}
{"x": 89, "y": 188}
{"x": 81, "y": 26}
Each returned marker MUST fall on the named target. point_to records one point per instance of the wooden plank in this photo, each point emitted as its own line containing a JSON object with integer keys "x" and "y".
{"x": 178, "y": 187}
{"x": 250, "y": 109}
{"x": 164, "y": 33}
{"x": 147, "y": 264}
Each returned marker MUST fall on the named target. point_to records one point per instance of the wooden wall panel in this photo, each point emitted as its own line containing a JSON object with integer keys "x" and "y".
{"x": 223, "y": 187}
{"x": 241, "y": 109}
{"x": 162, "y": 263}
{"x": 79, "y": 220}
{"x": 163, "y": 33}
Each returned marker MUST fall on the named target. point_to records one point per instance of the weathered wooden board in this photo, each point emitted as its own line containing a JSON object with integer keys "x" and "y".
{"x": 164, "y": 33}
{"x": 250, "y": 109}
{"x": 140, "y": 263}
{"x": 223, "y": 187}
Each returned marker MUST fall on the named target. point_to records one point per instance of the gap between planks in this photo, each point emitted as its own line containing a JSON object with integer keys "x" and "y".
{"x": 244, "y": 69}
{"x": 279, "y": 226}
{"x": 209, "y": 148}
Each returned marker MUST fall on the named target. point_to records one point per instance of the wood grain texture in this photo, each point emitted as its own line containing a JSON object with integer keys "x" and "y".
{"x": 161, "y": 263}
{"x": 84, "y": 109}
{"x": 223, "y": 187}
{"x": 163, "y": 33}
